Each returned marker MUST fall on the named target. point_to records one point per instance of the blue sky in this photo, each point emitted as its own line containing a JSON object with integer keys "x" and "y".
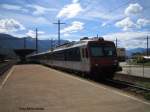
{"x": 127, "y": 20}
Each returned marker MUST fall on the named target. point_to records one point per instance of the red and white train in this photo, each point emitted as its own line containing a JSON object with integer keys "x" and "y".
{"x": 96, "y": 56}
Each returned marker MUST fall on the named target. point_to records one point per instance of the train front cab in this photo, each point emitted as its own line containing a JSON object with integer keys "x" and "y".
{"x": 103, "y": 59}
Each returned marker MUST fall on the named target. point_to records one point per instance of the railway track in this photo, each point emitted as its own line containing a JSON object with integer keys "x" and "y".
{"x": 112, "y": 82}
{"x": 116, "y": 83}
{"x": 5, "y": 66}
{"x": 127, "y": 84}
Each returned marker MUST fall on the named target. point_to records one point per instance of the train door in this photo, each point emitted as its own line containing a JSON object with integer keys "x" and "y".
{"x": 85, "y": 59}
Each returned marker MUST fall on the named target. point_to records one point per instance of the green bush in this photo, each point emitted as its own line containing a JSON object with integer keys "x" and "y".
{"x": 147, "y": 96}
{"x": 140, "y": 59}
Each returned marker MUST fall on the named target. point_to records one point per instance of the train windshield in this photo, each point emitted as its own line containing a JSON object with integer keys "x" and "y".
{"x": 99, "y": 51}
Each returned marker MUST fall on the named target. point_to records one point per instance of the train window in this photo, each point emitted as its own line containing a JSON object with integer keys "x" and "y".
{"x": 78, "y": 55}
{"x": 49, "y": 56}
{"x": 86, "y": 53}
{"x": 96, "y": 51}
{"x": 83, "y": 52}
{"x": 109, "y": 51}
{"x": 61, "y": 55}
{"x": 73, "y": 54}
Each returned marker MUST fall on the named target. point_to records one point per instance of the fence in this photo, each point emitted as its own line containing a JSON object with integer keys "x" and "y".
{"x": 136, "y": 70}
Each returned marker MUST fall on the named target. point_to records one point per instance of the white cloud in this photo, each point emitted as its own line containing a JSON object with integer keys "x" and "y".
{"x": 38, "y": 10}
{"x": 127, "y": 35}
{"x": 75, "y": 1}
{"x": 41, "y": 20}
{"x": 126, "y": 24}
{"x": 104, "y": 24}
{"x": 70, "y": 11}
{"x": 93, "y": 11}
{"x": 32, "y": 33}
{"x": 75, "y": 26}
{"x": 133, "y": 9}
{"x": 10, "y": 25}
{"x": 129, "y": 39}
{"x": 27, "y": 19}
{"x": 98, "y": 14}
{"x": 13, "y": 7}
{"x": 142, "y": 22}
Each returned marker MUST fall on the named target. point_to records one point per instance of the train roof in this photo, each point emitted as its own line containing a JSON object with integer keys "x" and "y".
{"x": 39, "y": 53}
{"x": 82, "y": 42}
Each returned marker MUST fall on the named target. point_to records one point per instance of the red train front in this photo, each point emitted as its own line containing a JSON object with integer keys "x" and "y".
{"x": 103, "y": 58}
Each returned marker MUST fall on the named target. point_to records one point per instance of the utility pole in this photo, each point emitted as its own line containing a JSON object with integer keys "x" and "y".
{"x": 36, "y": 34}
{"x": 24, "y": 40}
{"x": 147, "y": 47}
{"x": 58, "y": 23}
{"x": 116, "y": 42}
{"x": 51, "y": 44}
{"x": 97, "y": 35}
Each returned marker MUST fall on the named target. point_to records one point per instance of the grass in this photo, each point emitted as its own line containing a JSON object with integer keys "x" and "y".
{"x": 134, "y": 62}
{"x": 145, "y": 85}
{"x": 147, "y": 96}
{"x": 147, "y": 64}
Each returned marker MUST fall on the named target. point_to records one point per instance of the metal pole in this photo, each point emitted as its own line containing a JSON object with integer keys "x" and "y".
{"x": 36, "y": 40}
{"x": 116, "y": 42}
{"x": 143, "y": 69}
{"x": 97, "y": 35}
{"x": 51, "y": 44}
{"x": 147, "y": 46}
{"x": 58, "y": 32}
{"x": 24, "y": 42}
{"x": 58, "y": 23}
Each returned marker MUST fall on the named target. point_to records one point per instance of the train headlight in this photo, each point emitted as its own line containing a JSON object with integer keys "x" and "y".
{"x": 96, "y": 65}
{"x": 115, "y": 62}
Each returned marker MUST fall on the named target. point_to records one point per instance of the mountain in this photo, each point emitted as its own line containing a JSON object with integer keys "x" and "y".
{"x": 129, "y": 52}
{"x": 6, "y": 36}
{"x": 9, "y": 42}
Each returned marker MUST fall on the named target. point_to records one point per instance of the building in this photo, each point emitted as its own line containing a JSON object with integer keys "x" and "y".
{"x": 121, "y": 53}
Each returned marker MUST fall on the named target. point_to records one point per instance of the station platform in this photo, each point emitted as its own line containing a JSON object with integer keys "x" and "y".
{"x": 38, "y": 88}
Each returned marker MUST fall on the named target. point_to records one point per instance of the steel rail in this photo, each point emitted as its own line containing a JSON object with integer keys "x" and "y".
{"x": 124, "y": 83}
{"x": 6, "y": 66}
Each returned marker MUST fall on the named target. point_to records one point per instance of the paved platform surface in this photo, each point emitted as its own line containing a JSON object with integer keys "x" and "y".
{"x": 40, "y": 89}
